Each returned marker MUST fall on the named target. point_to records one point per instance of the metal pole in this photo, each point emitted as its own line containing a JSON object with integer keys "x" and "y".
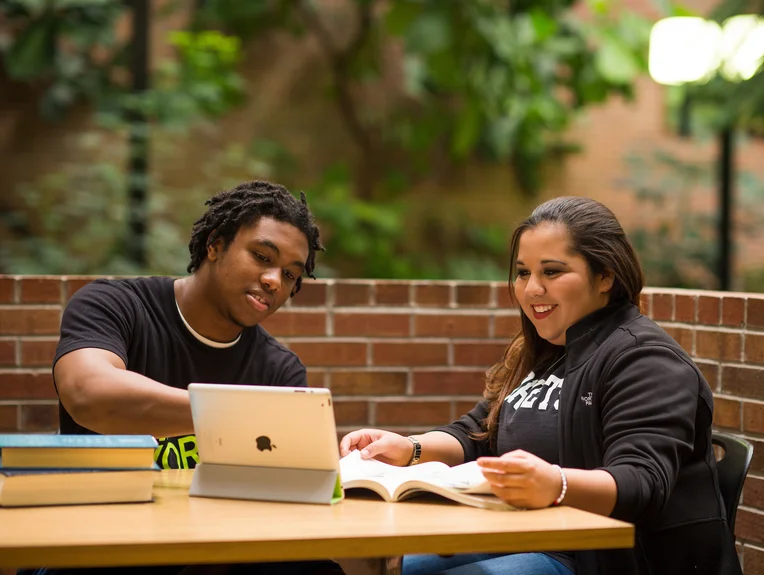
{"x": 138, "y": 143}
{"x": 726, "y": 166}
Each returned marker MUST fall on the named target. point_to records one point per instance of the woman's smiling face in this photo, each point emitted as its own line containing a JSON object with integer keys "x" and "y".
{"x": 554, "y": 285}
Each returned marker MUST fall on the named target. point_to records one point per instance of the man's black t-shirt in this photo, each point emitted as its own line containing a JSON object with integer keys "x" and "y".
{"x": 138, "y": 320}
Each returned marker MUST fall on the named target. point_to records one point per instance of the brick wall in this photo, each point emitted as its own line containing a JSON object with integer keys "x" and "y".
{"x": 407, "y": 356}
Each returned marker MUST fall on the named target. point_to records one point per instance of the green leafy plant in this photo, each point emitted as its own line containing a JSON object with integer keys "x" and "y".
{"x": 492, "y": 79}
{"x": 91, "y": 197}
{"x": 506, "y": 82}
{"x": 67, "y": 46}
{"x": 677, "y": 241}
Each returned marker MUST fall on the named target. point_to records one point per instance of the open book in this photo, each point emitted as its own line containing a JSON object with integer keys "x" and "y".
{"x": 463, "y": 483}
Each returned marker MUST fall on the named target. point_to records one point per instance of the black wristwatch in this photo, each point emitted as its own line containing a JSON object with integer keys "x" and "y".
{"x": 417, "y": 450}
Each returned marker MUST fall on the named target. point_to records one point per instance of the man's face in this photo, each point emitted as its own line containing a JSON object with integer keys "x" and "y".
{"x": 257, "y": 273}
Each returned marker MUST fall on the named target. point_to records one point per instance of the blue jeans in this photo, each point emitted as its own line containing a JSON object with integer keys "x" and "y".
{"x": 484, "y": 564}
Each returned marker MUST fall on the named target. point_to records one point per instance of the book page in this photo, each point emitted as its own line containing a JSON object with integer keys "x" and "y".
{"x": 353, "y": 469}
{"x": 466, "y": 477}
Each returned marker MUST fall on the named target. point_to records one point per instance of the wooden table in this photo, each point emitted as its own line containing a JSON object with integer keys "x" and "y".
{"x": 178, "y": 529}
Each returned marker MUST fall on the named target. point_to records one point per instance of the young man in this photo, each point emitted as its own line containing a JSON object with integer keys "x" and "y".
{"x": 130, "y": 347}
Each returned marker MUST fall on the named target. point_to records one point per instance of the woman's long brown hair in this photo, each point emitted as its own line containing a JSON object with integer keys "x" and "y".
{"x": 594, "y": 233}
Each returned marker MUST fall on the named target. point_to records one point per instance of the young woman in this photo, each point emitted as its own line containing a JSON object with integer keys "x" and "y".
{"x": 593, "y": 406}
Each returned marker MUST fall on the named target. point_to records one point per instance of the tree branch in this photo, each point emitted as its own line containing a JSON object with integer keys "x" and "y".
{"x": 340, "y": 61}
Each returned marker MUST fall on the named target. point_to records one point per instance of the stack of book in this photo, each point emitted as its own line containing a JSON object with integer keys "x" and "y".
{"x": 76, "y": 469}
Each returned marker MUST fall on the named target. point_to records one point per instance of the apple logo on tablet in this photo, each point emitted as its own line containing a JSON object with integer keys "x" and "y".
{"x": 264, "y": 443}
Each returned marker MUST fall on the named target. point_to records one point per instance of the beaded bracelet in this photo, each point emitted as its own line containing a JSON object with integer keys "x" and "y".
{"x": 564, "y": 479}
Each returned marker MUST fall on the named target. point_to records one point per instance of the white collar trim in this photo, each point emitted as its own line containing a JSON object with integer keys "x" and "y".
{"x": 201, "y": 338}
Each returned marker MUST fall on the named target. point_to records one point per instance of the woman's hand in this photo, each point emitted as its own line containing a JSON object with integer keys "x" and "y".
{"x": 522, "y": 479}
{"x": 385, "y": 446}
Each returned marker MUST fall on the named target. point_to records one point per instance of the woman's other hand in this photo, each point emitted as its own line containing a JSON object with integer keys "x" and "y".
{"x": 385, "y": 446}
{"x": 522, "y": 479}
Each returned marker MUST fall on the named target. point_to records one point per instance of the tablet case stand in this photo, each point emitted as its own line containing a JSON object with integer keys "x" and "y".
{"x": 266, "y": 483}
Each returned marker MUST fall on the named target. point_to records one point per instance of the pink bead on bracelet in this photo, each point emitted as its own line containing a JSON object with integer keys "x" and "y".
{"x": 564, "y": 490}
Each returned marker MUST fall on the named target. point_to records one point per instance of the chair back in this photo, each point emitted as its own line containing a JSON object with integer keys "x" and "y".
{"x": 732, "y": 469}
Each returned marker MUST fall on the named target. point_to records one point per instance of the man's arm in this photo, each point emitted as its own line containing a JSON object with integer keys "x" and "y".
{"x": 102, "y": 395}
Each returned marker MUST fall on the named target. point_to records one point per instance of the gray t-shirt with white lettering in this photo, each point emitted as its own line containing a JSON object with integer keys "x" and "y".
{"x": 528, "y": 420}
{"x": 528, "y": 417}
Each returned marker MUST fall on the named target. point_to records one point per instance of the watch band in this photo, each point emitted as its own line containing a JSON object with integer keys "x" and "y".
{"x": 417, "y": 453}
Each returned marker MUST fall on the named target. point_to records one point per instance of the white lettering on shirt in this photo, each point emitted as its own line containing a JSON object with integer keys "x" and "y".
{"x": 531, "y": 389}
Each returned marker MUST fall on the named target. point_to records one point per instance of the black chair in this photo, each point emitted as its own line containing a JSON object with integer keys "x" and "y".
{"x": 732, "y": 469}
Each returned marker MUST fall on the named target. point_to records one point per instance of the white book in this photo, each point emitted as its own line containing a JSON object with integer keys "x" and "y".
{"x": 463, "y": 483}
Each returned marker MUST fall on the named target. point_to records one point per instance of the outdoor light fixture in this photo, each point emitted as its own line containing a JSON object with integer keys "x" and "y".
{"x": 742, "y": 47}
{"x": 686, "y": 50}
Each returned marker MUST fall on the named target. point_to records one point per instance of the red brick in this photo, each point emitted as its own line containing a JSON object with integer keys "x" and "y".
{"x": 352, "y": 294}
{"x": 710, "y": 370}
{"x": 462, "y": 407}
{"x": 478, "y": 353}
{"x": 316, "y": 377}
{"x": 749, "y": 525}
{"x": 7, "y": 353}
{"x": 40, "y": 290}
{"x": 7, "y": 290}
{"x": 351, "y": 413}
{"x": 755, "y": 315}
{"x": 505, "y": 297}
{"x": 754, "y": 348}
{"x": 684, "y": 308}
{"x": 413, "y": 413}
{"x": 312, "y": 294}
{"x": 392, "y": 293}
{"x": 432, "y": 295}
{"x": 36, "y": 353}
{"x": 753, "y": 417}
{"x": 757, "y": 463}
{"x": 295, "y": 323}
{"x": 449, "y": 382}
{"x": 371, "y": 324}
{"x": 644, "y": 304}
{"x": 29, "y": 321}
{"x": 37, "y": 417}
{"x": 663, "y": 306}
{"x": 26, "y": 385}
{"x": 327, "y": 353}
{"x": 718, "y": 345}
{"x": 451, "y": 325}
{"x": 410, "y": 353}
{"x": 682, "y": 336}
{"x": 743, "y": 381}
{"x": 739, "y": 551}
{"x": 8, "y": 418}
{"x": 369, "y": 382}
{"x": 709, "y": 310}
{"x": 753, "y": 492}
{"x": 753, "y": 560}
{"x": 506, "y": 326}
{"x": 473, "y": 295}
{"x": 72, "y": 284}
{"x": 726, "y": 413}
{"x": 733, "y": 311}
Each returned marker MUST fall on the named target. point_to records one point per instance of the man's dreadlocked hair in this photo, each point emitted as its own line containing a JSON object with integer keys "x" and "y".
{"x": 245, "y": 205}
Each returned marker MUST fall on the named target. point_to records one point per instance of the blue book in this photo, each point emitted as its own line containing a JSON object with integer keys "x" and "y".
{"x": 77, "y": 451}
